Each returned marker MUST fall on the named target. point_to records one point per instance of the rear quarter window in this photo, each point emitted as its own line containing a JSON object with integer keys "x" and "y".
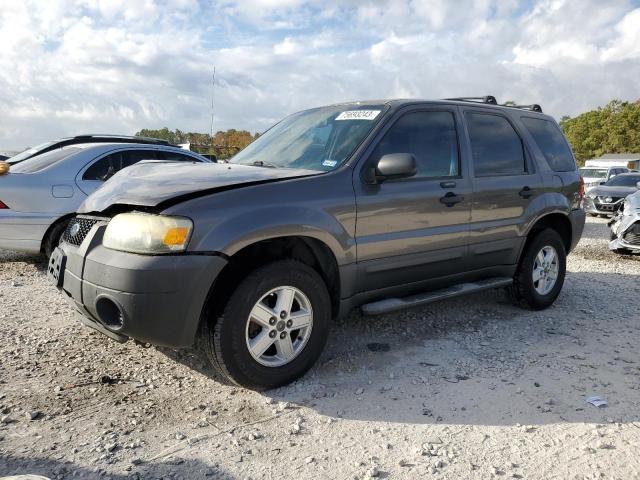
{"x": 551, "y": 142}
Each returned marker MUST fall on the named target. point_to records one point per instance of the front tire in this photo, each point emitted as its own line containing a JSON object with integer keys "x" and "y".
{"x": 541, "y": 271}
{"x": 272, "y": 329}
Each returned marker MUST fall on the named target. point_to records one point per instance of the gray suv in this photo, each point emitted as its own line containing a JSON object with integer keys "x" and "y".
{"x": 380, "y": 205}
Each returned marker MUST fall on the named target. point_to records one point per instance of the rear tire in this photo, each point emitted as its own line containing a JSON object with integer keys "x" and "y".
{"x": 541, "y": 293}
{"x": 52, "y": 240}
{"x": 227, "y": 339}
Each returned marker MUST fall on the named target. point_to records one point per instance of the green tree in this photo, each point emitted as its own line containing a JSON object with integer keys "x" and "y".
{"x": 224, "y": 144}
{"x": 614, "y": 128}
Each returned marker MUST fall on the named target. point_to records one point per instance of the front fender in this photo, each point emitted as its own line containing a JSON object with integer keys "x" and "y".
{"x": 234, "y": 233}
{"x": 320, "y": 207}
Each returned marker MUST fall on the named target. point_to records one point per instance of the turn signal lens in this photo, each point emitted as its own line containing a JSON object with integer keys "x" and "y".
{"x": 176, "y": 236}
{"x": 4, "y": 168}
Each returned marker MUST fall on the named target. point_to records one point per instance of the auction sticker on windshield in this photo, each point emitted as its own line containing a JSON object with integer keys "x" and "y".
{"x": 358, "y": 115}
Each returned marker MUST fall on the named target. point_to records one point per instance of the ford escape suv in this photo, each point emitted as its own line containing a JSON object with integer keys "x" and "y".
{"x": 380, "y": 205}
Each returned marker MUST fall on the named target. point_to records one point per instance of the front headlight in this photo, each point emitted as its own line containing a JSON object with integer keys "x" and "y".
{"x": 146, "y": 233}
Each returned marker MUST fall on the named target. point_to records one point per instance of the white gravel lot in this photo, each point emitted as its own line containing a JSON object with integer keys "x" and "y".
{"x": 469, "y": 388}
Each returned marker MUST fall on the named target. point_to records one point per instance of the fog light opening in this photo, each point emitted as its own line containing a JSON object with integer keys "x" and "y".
{"x": 109, "y": 313}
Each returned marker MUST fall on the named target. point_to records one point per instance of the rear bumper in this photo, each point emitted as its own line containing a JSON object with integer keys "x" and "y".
{"x": 577, "y": 218}
{"x": 23, "y": 231}
{"x": 154, "y": 299}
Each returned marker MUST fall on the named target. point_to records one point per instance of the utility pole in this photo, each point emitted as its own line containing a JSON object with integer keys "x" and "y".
{"x": 213, "y": 84}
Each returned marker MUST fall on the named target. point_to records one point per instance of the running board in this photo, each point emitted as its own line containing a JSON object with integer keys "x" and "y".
{"x": 393, "y": 304}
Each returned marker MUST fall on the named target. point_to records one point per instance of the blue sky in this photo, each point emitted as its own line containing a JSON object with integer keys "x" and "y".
{"x": 116, "y": 66}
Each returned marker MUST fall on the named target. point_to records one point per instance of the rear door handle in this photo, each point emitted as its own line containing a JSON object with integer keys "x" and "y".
{"x": 526, "y": 192}
{"x": 450, "y": 199}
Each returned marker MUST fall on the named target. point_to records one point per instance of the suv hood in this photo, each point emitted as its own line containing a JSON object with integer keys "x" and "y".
{"x": 149, "y": 184}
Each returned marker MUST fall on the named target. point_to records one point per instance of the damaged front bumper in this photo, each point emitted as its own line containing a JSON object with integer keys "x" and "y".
{"x": 625, "y": 230}
{"x": 155, "y": 299}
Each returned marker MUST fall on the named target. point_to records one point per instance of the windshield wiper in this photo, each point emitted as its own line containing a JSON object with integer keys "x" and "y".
{"x": 261, "y": 163}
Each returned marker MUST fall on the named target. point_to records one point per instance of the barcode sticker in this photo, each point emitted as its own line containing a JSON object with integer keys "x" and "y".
{"x": 358, "y": 115}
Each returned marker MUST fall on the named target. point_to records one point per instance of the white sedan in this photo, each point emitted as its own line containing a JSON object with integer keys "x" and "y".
{"x": 39, "y": 195}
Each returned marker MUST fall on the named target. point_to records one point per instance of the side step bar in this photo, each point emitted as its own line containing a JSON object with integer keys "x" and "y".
{"x": 393, "y": 304}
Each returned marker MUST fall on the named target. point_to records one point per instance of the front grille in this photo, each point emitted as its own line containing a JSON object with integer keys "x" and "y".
{"x": 632, "y": 235}
{"x": 612, "y": 206}
{"x": 78, "y": 229}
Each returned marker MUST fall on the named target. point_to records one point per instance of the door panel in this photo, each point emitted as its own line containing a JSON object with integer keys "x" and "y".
{"x": 404, "y": 231}
{"x": 504, "y": 186}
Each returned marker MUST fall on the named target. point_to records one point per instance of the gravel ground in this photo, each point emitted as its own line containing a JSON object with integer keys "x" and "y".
{"x": 466, "y": 388}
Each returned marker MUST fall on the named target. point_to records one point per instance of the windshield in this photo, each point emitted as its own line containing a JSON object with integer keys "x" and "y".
{"x": 319, "y": 139}
{"x": 623, "y": 181}
{"x": 27, "y": 153}
{"x": 594, "y": 172}
{"x": 44, "y": 160}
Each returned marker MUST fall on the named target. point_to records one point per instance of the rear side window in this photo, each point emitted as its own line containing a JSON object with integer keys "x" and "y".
{"x": 495, "y": 146}
{"x": 431, "y": 138}
{"x": 44, "y": 160}
{"x": 551, "y": 142}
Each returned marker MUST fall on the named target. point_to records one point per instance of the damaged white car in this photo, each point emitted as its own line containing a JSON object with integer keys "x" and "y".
{"x": 625, "y": 226}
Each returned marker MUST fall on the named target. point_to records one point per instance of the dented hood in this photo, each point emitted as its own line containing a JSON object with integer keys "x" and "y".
{"x": 149, "y": 184}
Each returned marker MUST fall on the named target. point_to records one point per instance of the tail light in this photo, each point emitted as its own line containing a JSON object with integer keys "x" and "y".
{"x": 3, "y": 205}
{"x": 581, "y": 188}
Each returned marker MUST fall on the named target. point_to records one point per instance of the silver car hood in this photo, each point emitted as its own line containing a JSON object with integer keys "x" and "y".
{"x": 150, "y": 184}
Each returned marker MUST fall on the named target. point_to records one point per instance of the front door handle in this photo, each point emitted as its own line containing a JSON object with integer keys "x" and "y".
{"x": 526, "y": 192}
{"x": 450, "y": 199}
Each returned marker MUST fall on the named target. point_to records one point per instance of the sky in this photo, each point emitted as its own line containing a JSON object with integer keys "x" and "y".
{"x": 117, "y": 66}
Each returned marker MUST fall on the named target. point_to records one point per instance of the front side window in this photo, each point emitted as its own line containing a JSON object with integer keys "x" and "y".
{"x": 430, "y": 137}
{"x": 134, "y": 156}
{"x": 320, "y": 139}
{"x": 495, "y": 146}
{"x": 551, "y": 142}
{"x": 175, "y": 156}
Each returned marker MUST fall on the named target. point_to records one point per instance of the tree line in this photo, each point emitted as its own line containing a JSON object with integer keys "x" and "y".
{"x": 614, "y": 128}
{"x": 224, "y": 144}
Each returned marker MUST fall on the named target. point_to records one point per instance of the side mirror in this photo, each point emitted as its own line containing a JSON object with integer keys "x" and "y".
{"x": 638, "y": 185}
{"x": 392, "y": 166}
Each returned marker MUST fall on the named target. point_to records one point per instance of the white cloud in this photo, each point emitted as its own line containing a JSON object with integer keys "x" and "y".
{"x": 73, "y": 66}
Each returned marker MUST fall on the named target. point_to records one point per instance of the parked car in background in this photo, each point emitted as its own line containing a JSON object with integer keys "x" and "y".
{"x": 78, "y": 139}
{"x": 378, "y": 205}
{"x": 40, "y": 194}
{"x": 625, "y": 227}
{"x": 606, "y": 200}
{"x": 594, "y": 176}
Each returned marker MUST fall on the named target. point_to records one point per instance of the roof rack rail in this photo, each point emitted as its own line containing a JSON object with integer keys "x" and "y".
{"x": 118, "y": 138}
{"x": 93, "y": 138}
{"x": 490, "y": 99}
{"x": 534, "y": 107}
